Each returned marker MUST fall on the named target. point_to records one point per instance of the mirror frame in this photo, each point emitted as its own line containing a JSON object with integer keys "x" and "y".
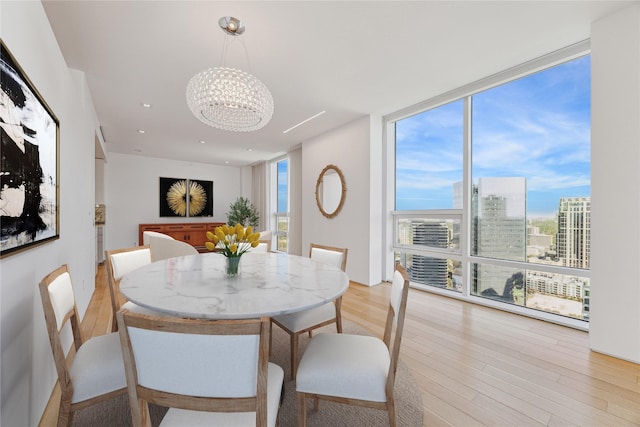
{"x": 342, "y": 196}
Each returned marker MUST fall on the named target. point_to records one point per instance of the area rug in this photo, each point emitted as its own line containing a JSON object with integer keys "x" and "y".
{"x": 115, "y": 412}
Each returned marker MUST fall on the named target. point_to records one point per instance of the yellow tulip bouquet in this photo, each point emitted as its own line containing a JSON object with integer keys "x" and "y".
{"x": 232, "y": 241}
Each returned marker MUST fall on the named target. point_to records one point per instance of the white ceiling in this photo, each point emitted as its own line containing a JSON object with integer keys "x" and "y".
{"x": 349, "y": 59}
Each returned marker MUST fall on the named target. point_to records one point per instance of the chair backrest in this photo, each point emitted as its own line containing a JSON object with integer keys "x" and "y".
{"x": 120, "y": 262}
{"x": 147, "y": 235}
{"x": 59, "y": 305}
{"x": 196, "y": 364}
{"x": 263, "y": 246}
{"x": 395, "y": 319}
{"x": 162, "y": 248}
{"x": 266, "y": 235}
{"x": 329, "y": 255}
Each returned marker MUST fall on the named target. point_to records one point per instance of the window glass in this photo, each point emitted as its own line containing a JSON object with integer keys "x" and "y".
{"x": 283, "y": 186}
{"x": 436, "y": 272}
{"x": 531, "y": 165}
{"x": 435, "y": 233}
{"x": 429, "y": 158}
{"x": 529, "y": 193}
{"x": 282, "y": 214}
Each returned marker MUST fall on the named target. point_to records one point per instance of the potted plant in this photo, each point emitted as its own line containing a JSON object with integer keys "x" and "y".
{"x": 243, "y": 212}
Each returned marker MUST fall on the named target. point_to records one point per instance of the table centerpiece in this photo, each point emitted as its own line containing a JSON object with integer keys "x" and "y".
{"x": 232, "y": 242}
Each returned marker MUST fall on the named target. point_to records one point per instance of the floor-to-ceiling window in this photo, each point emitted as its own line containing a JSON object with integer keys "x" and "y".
{"x": 280, "y": 203}
{"x": 492, "y": 190}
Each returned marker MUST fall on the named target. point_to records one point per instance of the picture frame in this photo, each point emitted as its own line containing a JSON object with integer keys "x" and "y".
{"x": 201, "y": 200}
{"x": 181, "y": 197}
{"x": 173, "y": 197}
{"x": 29, "y": 164}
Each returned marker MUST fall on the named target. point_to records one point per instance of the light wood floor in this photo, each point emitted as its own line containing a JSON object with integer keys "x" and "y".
{"x": 476, "y": 366}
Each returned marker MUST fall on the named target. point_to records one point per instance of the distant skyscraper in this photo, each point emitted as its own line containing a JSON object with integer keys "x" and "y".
{"x": 500, "y": 230}
{"x": 574, "y": 231}
{"x": 428, "y": 270}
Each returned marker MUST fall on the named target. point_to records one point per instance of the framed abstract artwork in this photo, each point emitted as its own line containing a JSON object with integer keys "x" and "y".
{"x": 29, "y": 161}
{"x": 201, "y": 200}
{"x": 183, "y": 197}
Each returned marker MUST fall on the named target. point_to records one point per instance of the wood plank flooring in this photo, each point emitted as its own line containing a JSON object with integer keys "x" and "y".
{"x": 476, "y": 366}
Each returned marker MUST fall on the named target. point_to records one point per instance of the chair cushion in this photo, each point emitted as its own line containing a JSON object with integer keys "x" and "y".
{"x": 327, "y": 256}
{"x": 302, "y": 320}
{"x": 343, "y": 365}
{"x": 125, "y": 262}
{"x": 182, "y": 417}
{"x": 62, "y": 298}
{"x": 97, "y": 368}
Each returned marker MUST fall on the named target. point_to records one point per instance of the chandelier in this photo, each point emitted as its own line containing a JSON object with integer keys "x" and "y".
{"x": 227, "y": 98}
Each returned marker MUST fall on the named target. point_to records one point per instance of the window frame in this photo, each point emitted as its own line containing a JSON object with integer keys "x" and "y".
{"x": 390, "y": 238}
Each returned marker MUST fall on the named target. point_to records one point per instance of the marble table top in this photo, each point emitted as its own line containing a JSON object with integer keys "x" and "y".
{"x": 268, "y": 284}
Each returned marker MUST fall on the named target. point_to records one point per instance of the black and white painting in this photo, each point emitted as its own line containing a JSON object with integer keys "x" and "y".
{"x": 29, "y": 161}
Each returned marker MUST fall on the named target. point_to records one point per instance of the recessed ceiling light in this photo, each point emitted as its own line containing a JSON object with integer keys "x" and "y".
{"x": 202, "y": 142}
{"x": 249, "y": 149}
{"x": 305, "y": 121}
{"x": 141, "y": 131}
{"x": 145, "y": 105}
{"x": 226, "y": 162}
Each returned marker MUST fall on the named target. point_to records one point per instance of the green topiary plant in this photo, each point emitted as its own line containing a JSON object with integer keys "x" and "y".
{"x": 243, "y": 212}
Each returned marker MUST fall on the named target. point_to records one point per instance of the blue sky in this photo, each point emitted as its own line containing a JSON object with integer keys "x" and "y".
{"x": 283, "y": 167}
{"x": 537, "y": 127}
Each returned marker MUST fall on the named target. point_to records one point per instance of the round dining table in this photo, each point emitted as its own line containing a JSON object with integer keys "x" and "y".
{"x": 268, "y": 284}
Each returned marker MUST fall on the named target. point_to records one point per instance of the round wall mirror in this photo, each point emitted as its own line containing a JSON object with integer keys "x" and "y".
{"x": 330, "y": 191}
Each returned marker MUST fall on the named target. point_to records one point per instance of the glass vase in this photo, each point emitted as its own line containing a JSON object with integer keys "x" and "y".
{"x": 232, "y": 265}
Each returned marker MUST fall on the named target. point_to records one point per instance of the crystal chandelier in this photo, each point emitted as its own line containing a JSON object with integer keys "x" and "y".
{"x": 227, "y": 98}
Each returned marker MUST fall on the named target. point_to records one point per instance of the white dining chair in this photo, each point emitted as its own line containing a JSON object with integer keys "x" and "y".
{"x": 120, "y": 262}
{"x": 148, "y": 235}
{"x": 263, "y": 246}
{"x": 95, "y": 372}
{"x": 305, "y": 321}
{"x": 356, "y": 369}
{"x": 163, "y": 248}
{"x": 266, "y": 235}
{"x": 208, "y": 372}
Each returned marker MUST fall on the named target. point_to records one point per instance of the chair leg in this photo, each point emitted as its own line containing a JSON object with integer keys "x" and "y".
{"x": 294, "y": 356}
{"x": 65, "y": 416}
{"x": 114, "y": 323}
{"x": 144, "y": 413}
{"x": 270, "y": 336}
{"x": 391, "y": 408}
{"x": 302, "y": 410}
{"x": 339, "y": 315}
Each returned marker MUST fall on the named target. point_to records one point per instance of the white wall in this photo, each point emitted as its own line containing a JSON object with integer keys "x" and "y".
{"x": 27, "y": 369}
{"x": 347, "y": 148}
{"x": 132, "y": 193}
{"x": 615, "y": 200}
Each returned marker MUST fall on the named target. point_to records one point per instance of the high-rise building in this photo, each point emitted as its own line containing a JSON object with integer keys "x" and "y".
{"x": 428, "y": 270}
{"x": 574, "y": 231}
{"x": 500, "y": 230}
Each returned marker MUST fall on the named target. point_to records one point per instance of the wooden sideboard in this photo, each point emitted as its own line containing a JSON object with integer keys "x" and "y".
{"x": 193, "y": 233}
